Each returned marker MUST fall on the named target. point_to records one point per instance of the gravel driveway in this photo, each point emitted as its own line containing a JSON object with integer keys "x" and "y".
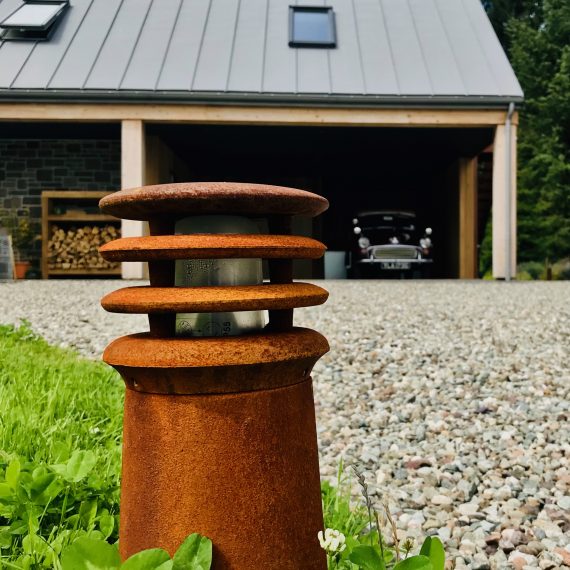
{"x": 452, "y": 397}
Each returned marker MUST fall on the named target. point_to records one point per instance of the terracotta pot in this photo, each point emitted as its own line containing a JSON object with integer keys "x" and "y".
{"x": 21, "y": 269}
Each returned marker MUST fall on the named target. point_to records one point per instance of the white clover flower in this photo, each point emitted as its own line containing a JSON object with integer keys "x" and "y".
{"x": 333, "y": 540}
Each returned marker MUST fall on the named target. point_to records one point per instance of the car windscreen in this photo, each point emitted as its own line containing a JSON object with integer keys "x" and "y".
{"x": 386, "y": 222}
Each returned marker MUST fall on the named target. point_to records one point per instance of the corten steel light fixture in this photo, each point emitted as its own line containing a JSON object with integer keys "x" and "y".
{"x": 219, "y": 432}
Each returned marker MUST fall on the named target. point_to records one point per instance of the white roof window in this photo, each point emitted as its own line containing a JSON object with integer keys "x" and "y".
{"x": 33, "y": 20}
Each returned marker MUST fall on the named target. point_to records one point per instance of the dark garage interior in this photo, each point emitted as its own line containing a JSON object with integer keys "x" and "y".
{"x": 355, "y": 168}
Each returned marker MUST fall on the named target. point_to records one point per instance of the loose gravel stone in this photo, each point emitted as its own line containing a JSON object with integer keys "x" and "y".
{"x": 453, "y": 398}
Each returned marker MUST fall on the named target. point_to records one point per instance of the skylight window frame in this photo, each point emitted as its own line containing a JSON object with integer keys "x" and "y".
{"x": 43, "y": 32}
{"x": 326, "y": 10}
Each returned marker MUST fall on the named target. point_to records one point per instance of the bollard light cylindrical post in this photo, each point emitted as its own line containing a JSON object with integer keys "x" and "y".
{"x": 219, "y": 430}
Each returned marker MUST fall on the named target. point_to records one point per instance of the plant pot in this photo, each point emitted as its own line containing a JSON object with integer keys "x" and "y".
{"x": 21, "y": 268}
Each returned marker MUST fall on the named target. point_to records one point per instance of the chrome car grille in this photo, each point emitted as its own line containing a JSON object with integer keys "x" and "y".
{"x": 395, "y": 252}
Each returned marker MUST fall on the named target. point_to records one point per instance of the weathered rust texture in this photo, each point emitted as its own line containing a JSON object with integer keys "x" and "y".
{"x": 212, "y": 246}
{"x": 215, "y": 365}
{"x": 144, "y": 350}
{"x": 241, "y": 469}
{"x": 198, "y": 198}
{"x": 209, "y": 299}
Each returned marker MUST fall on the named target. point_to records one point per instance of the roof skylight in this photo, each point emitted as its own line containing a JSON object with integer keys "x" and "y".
{"x": 311, "y": 26}
{"x": 33, "y": 20}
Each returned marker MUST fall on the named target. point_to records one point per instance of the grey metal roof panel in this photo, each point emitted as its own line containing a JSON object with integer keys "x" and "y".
{"x": 409, "y": 63}
{"x": 477, "y": 75}
{"x": 420, "y": 50}
{"x": 346, "y": 69}
{"x": 280, "y": 65}
{"x": 182, "y": 55}
{"x": 313, "y": 74}
{"x": 375, "y": 49}
{"x": 215, "y": 57}
{"x": 119, "y": 46}
{"x": 438, "y": 54}
{"x": 77, "y": 62}
{"x": 246, "y": 70}
{"x": 145, "y": 65}
{"x": 13, "y": 56}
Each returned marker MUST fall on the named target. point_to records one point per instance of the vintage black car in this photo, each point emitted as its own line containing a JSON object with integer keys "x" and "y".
{"x": 389, "y": 244}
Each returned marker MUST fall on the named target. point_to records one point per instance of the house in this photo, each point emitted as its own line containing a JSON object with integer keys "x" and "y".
{"x": 407, "y": 104}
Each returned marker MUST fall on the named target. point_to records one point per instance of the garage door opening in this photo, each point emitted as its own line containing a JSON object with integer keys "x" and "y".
{"x": 356, "y": 169}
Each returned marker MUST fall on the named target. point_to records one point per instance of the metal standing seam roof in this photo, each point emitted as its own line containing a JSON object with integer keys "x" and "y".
{"x": 397, "y": 52}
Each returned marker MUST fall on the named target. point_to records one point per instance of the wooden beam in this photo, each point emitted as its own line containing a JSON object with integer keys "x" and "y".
{"x": 133, "y": 175}
{"x": 468, "y": 218}
{"x": 252, "y": 115}
{"x": 500, "y": 194}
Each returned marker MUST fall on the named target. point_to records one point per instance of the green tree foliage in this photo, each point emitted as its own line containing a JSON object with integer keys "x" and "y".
{"x": 502, "y": 11}
{"x": 536, "y": 35}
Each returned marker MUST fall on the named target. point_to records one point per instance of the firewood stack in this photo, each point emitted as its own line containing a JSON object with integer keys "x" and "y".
{"x": 77, "y": 248}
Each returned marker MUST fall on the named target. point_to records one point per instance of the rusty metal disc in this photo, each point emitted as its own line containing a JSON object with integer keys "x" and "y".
{"x": 199, "y": 198}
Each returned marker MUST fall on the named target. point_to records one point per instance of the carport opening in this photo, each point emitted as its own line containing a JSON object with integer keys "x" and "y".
{"x": 355, "y": 168}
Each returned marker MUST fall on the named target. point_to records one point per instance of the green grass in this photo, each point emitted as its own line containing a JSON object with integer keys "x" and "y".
{"x": 51, "y": 397}
{"x": 60, "y": 454}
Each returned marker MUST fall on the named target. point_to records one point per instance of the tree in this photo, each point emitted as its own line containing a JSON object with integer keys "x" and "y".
{"x": 536, "y": 36}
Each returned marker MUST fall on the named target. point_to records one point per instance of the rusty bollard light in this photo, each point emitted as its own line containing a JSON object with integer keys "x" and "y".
{"x": 219, "y": 432}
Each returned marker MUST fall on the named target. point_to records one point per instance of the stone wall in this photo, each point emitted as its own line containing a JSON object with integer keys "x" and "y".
{"x": 29, "y": 166}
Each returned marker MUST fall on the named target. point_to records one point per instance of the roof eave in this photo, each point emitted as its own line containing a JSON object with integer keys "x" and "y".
{"x": 250, "y": 98}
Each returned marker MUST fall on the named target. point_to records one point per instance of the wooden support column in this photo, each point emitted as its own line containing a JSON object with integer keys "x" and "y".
{"x": 468, "y": 218}
{"x": 133, "y": 175}
{"x": 500, "y": 196}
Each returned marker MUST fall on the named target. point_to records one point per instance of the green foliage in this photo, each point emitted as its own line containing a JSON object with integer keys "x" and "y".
{"x": 86, "y": 553}
{"x": 561, "y": 269}
{"x": 367, "y": 557}
{"x": 415, "y": 563}
{"x": 24, "y": 231}
{"x": 433, "y": 550}
{"x": 90, "y": 554}
{"x": 534, "y": 270}
{"x": 194, "y": 554}
{"x": 502, "y": 11}
{"x": 536, "y": 34}
{"x": 60, "y": 452}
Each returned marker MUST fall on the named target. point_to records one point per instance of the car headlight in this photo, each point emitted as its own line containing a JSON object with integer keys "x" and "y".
{"x": 363, "y": 242}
